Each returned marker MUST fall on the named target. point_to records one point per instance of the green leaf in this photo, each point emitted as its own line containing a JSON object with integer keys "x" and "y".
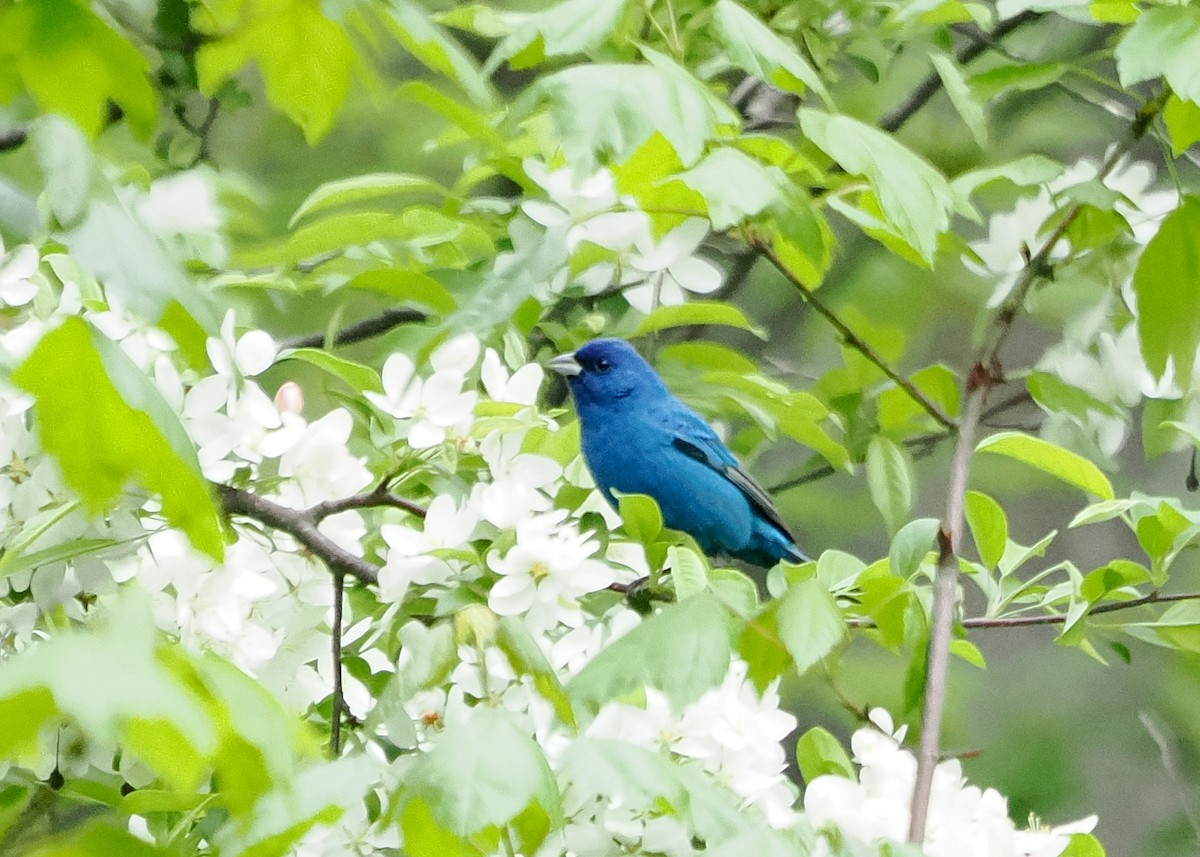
{"x": 16, "y": 561}
{"x": 319, "y": 794}
{"x": 1055, "y": 394}
{"x": 689, "y": 571}
{"x": 95, "y": 840}
{"x": 735, "y": 186}
{"x": 73, "y": 64}
{"x": 641, "y": 516}
{"x": 914, "y": 197}
{"x": 669, "y": 101}
{"x": 435, "y": 49}
{"x": 484, "y": 772}
{"x": 1023, "y": 172}
{"x": 621, "y": 771}
{"x": 1019, "y": 76}
{"x": 527, "y": 659}
{"x": 406, "y": 287}
{"x": 759, "y": 51}
{"x": 1105, "y": 510}
{"x": 304, "y": 59}
{"x": 885, "y": 598}
{"x": 810, "y": 623}
{"x": 696, "y": 312}
{"x": 1183, "y": 123}
{"x": 683, "y": 651}
{"x": 969, "y": 652}
{"x": 1167, "y": 284}
{"x": 562, "y": 29}
{"x": 890, "y": 480}
{"x": 911, "y": 545}
{"x": 1163, "y": 42}
{"x": 1050, "y": 458}
{"x": 1083, "y": 845}
{"x": 421, "y": 227}
{"x": 989, "y": 527}
{"x": 357, "y": 376}
{"x": 819, "y": 754}
{"x": 107, "y": 425}
{"x": 961, "y": 96}
{"x": 365, "y": 187}
{"x": 734, "y": 588}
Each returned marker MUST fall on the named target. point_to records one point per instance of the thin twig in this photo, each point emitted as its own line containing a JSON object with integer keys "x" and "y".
{"x": 853, "y": 340}
{"x": 339, "y": 699}
{"x": 984, "y": 374}
{"x": 930, "y": 86}
{"x": 363, "y": 330}
{"x": 302, "y": 525}
{"x": 381, "y": 495}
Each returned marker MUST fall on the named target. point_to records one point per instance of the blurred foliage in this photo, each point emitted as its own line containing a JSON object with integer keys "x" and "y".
{"x": 375, "y": 154}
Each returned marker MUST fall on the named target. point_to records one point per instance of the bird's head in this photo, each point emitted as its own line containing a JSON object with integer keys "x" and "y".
{"x": 607, "y": 372}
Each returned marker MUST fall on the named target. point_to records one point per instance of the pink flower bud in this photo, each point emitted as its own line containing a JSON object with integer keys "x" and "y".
{"x": 289, "y": 398}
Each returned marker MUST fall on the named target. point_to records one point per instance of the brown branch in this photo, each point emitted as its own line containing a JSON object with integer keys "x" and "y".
{"x": 930, "y": 86}
{"x": 984, "y": 374}
{"x": 1051, "y": 618}
{"x": 381, "y": 495}
{"x": 339, "y": 698}
{"x": 12, "y": 138}
{"x": 363, "y": 330}
{"x": 853, "y": 339}
{"x": 302, "y": 525}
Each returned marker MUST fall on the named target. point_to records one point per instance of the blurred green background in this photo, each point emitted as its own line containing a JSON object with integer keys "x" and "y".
{"x": 1059, "y": 733}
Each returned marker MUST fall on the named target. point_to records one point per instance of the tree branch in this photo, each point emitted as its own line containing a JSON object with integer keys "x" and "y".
{"x": 380, "y": 495}
{"x": 302, "y": 525}
{"x": 984, "y": 374}
{"x": 363, "y": 330}
{"x": 853, "y": 339}
{"x": 339, "y": 699}
{"x": 930, "y": 86}
{"x": 1052, "y": 618}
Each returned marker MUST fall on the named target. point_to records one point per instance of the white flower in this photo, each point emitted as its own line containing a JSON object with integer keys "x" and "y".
{"x": 142, "y": 342}
{"x": 410, "y": 556}
{"x": 435, "y": 405}
{"x": 582, "y": 208}
{"x": 659, "y": 273}
{"x": 545, "y": 574}
{"x": 520, "y": 388}
{"x": 319, "y": 466}
{"x": 1011, "y": 233}
{"x": 182, "y": 209}
{"x": 962, "y": 819}
{"x": 15, "y": 270}
{"x": 520, "y": 483}
{"x": 180, "y": 204}
{"x": 732, "y": 731}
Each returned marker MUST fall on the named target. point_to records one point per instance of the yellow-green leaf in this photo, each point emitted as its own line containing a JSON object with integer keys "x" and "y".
{"x": 1050, "y": 458}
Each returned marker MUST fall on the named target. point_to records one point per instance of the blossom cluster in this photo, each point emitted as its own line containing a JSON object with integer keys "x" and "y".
{"x": 962, "y": 819}
{"x": 1100, "y": 352}
{"x": 498, "y": 539}
{"x": 587, "y": 211}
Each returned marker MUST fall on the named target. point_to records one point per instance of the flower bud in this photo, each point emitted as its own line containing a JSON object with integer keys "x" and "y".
{"x": 289, "y": 398}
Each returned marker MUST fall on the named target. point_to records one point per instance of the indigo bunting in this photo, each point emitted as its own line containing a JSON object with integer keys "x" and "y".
{"x": 637, "y": 438}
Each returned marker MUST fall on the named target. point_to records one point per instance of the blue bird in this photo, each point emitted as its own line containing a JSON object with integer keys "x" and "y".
{"x": 637, "y": 438}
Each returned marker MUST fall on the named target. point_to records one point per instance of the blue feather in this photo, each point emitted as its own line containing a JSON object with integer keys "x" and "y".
{"x": 637, "y": 438}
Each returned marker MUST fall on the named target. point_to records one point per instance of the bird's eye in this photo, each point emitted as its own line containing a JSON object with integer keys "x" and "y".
{"x": 603, "y": 365}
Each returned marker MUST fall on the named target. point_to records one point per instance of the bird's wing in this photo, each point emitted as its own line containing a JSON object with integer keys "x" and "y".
{"x": 696, "y": 439}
